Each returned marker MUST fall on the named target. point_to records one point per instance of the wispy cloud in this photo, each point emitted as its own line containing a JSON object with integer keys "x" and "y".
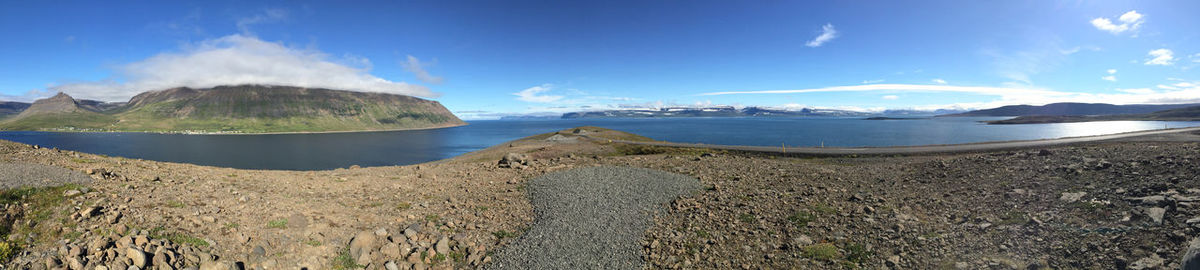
{"x": 891, "y": 97}
{"x": 414, "y": 65}
{"x": 1130, "y": 22}
{"x": 872, "y": 81}
{"x": 939, "y": 81}
{"x": 1110, "y": 78}
{"x": 1161, "y": 57}
{"x": 534, "y": 94}
{"x": 827, "y": 34}
{"x": 267, "y": 16}
{"x": 1042, "y": 52}
{"x": 238, "y": 59}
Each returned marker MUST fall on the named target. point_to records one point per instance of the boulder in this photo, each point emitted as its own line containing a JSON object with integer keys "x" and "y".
{"x": 362, "y": 243}
{"x": 514, "y": 160}
{"x": 1191, "y": 258}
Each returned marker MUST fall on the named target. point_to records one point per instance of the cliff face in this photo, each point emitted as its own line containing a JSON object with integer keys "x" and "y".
{"x": 247, "y": 109}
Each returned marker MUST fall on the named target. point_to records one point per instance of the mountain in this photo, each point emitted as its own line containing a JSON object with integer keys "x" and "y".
{"x": 1180, "y": 114}
{"x": 237, "y": 109}
{"x": 1059, "y": 109}
{"x": 719, "y": 111}
{"x": 11, "y": 108}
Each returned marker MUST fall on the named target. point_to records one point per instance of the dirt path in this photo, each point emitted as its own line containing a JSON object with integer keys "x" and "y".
{"x": 592, "y": 218}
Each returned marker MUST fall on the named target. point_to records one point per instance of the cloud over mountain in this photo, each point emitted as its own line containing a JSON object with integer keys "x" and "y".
{"x": 235, "y": 60}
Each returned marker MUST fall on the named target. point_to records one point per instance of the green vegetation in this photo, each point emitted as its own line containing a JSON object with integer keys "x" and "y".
{"x": 312, "y": 242}
{"x": 822, "y": 251}
{"x": 857, "y": 253}
{"x": 403, "y": 206}
{"x": 277, "y": 224}
{"x": 501, "y": 234}
{"x": 1013, "y": 218}
{"x": 176, "y": 237}
{"x": 175, "y": 204}
{"x": 822, "y": 208}
{"x": 343, "y": 261}
{"x": 232, "y": 225}
{"x": 39, "y": 217}
{"x": 802, "y": 218}
{"x": 747, "y": 218}
{"x": 432, "y": 218}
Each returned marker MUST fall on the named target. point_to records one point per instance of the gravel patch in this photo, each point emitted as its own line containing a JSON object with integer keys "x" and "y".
{"x": 15, "y": 175}
{"x": 592, "y": 218}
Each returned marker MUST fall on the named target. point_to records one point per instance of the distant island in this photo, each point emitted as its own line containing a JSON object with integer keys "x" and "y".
{"x": 232, "y": 109}
{"x": 1181, "y": 114}
{"x": 717, "y": 111}
{"x": 893, "y": 118}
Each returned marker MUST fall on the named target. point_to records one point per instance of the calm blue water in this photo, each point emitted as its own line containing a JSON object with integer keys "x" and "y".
{"x": 340, "y": 150}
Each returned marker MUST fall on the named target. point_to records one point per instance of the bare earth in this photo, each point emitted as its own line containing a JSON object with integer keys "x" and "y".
{"x": 1110, "y": 204}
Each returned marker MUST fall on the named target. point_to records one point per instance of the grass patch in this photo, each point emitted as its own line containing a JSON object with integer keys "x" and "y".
{"x": 43, "y": 204}
{"x": 501, "y": 234}
{"x": 175, "y": 204}
{"x": 822, "y": 251}
{"x": 343, "y": 261}
{"x": 457, "y": 256}
{"x": 438, "y": 258}
{"x": 403, "y": 206}
{"x": 802, "y": 218}
{"x": 232, "y": 225}
{"x": 481, "y": 208}
{"x": 822, "y": 208}
{"x": 432, "y": 218}
{"x": 277, "y": 224}
{"x": 857, "y": 253}
{"x": 312, "y": 242}
{"x": 747, "y": 218}
{"x": 82, "y": 160}
{"x": 703, "y": 233}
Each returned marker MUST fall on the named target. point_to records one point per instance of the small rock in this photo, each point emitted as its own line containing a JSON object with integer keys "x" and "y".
{"x": 1152, "y": 262}
{"x": 72, "y": 193}
{"x": 1042, "y": 153}
{"x": 443, "y": 246}
{"x": 1156, "y": 214}
{"x": 893, "y": 261}
{"x": 802, "y": 240}
{"x": 1072, "y": 196}
{"x": 1191, "y": 258}
{"x": 362, "y": 243}
{"x": 138, "y": 257}
{"x": 390, "y": 265}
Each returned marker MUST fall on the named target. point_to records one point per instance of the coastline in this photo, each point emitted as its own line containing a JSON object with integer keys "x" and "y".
{"x": 464, "y": 123}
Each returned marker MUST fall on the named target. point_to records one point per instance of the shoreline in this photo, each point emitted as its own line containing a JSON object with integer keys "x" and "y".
{"x": 262, "y": 133}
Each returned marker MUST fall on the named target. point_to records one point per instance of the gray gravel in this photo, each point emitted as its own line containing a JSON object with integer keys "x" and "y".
{"x": 14, "y": 175}
{"x": 592, "y": 218}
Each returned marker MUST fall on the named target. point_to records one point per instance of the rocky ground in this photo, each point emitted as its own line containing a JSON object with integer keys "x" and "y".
{"x": 1100, "y": 205}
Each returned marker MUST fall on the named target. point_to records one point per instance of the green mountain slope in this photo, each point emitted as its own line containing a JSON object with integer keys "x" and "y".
{"x": 239, "y": 109}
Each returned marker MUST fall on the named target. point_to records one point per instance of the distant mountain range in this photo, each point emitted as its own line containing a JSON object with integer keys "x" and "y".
{"x": 1078, "y": 109}
{"x": 1180, "y": 114}
{"x": 235, "y": 109}
{"x": 719, "y": 111}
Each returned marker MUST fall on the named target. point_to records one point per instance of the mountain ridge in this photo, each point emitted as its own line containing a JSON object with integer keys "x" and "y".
{"x": 237, "y": 109}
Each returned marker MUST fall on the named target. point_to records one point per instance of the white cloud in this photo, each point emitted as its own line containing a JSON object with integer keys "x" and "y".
{"x": 235, "y": 60}
{"x": 827, "y": 34}
{"x": 1195, "y": 58}
{"x": 939, "y": 81}
{"x": 872, "y": 81}
{"x": 891, "y": 97}
{"x": 532, "y": 94}
{"x": 1168, "y": 87}
{"x": 1109, "y": 78}
{"x": 1161, "y": 57}
{"x": 1137, "y": 91}
{"x": 1130, "y": 21}
{"x": 1185, "y": 85}
{"x": 414, "y": 65}
{"x": 1112, "y": 71}
{"x": 269, "y": 15}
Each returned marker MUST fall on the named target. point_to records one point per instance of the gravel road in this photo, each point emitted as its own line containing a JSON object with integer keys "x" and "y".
{"x": 592, "y": 218}
{"x": 14, "y": 175}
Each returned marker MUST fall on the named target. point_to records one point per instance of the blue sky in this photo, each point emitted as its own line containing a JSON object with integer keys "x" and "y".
{"x": 483, "y": 59}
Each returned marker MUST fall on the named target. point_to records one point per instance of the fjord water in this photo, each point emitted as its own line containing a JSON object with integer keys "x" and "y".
{"x": 340, "y": 150}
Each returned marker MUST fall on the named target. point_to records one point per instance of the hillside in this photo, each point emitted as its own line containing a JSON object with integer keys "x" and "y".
{"x": 1181, "y": 114}
{"x": 237, "y": 109}
{"x": 11, "y": 108}
{"x": 1061, "y": 109}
